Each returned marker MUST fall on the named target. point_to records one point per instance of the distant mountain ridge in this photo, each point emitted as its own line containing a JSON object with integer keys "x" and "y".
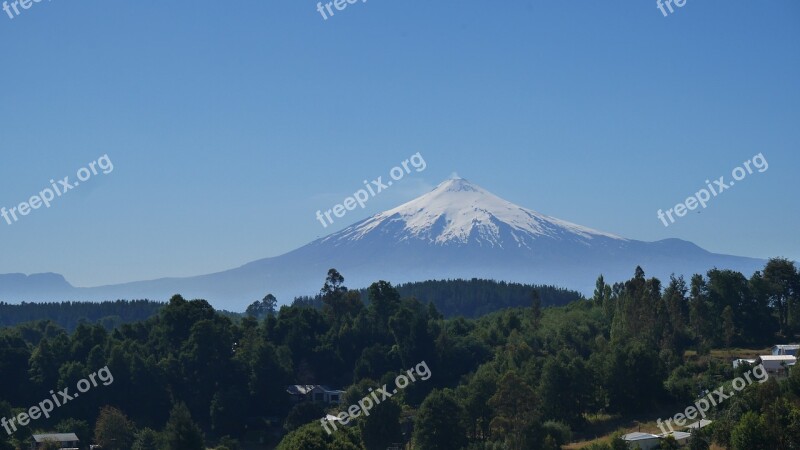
{"x": 458, "y": 230}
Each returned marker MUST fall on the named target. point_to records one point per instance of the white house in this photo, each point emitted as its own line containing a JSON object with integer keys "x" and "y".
{"x": 66, "y": 441}
{"x": 787, "y": 349}
{"x": 644, "y": 441}
{"x": 681, "y": 437}
{"x": 740, "y": 361}
{"x": 315, "y": 393}
{"x": 777, "y": 364}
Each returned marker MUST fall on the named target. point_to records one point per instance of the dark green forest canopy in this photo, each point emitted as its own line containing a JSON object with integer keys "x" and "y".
{"x": 468, "y": 298}
{"x": 69, "y": 314}
{"x": 525, "y": 377}
{"x": 471, "y": 298}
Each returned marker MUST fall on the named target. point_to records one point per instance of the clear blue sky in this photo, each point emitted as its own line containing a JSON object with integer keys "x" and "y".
{"x": 230, "y": 123}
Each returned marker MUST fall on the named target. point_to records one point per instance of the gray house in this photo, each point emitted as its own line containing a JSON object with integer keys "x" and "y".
{"x": 67, "y": 441}
{"x": 315, "y": 393}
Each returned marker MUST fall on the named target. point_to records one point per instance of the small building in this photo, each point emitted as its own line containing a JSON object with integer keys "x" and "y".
{"x": 777, "y": 364}
{"x": 643, "y": 441}
{"x": 699, "y": 424}
{"x": 333, "y": 418}
{"x": 786, "y": 349}
{"x": 740, "y": 361}
{"x": 681, "y": 437}
{"x": 67, "y": 441}
{"x": 315, "y": 393}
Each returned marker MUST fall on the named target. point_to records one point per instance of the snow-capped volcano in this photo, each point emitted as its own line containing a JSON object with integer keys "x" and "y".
{"x": 458, "y": 212}
{"x": 458, "y": 230}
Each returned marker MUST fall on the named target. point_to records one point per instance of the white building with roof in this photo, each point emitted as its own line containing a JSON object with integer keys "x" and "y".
{"x": 738, "y": 362}
{"x": 786, "y": 349}
{"x": 643, "y": 441}
{"x": 681, "y": 437}
{"x": 777, "y": 364}
{"x": 697, "y": 425}
{"x": 67, "y": 441}
{"x": 315, "y": 393}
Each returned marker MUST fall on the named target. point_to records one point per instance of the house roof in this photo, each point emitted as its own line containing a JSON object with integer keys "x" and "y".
{"x": 58, "y": 437}
{"x": 678, "y": 435}
{"x": 699, "y": 424}
{"x": 778, "y": 358}
{"x": 788, "y": 346}
{"x": 637, "y": 436}
{"x": 304, "y": 389}
{"x": 328, "y": 389}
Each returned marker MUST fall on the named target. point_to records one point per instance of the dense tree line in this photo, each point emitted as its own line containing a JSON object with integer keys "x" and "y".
{"x": 520, "y": 378}
{"x": 470, "y": 298}
{"x": 69, "y": 314}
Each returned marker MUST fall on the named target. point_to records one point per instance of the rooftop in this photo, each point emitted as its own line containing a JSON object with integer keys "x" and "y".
{"x": 637, "y": 436}
{"x": 58, "y": 437}
{"x": 778, "y": 358}
{"x": 699, "y": 424}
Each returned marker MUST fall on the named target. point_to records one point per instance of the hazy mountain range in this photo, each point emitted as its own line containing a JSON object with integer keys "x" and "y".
{"x": 458, "y": 230}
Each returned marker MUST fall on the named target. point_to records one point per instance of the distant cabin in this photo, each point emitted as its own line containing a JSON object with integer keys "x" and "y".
{"x": 738, "y": 362}
{"x": 315, "y": 393}
{"x": 788, "y": 349}
{"x": 681, "y": 437}
{"x": 67, "y": 441}
{"x": 644, "y": 441}
{"x": 777, "y": 364}
{"x": 697, "y": 425}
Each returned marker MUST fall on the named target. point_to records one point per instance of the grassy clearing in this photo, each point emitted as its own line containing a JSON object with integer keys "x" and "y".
{"x": 727, "y": 354}
{"x": 602, "y": 427}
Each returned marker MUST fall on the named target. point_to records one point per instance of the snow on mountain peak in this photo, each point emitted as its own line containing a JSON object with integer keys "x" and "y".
{"x": 458, "y": 212}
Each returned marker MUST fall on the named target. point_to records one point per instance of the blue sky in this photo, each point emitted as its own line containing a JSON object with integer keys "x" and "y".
{"x": 230, "y": 124}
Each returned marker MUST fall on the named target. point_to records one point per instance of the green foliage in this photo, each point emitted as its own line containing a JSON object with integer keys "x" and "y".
{"x": 266, "y": 307}
{"x": 181, "y": 432}
{"x": 668, "y": 443}
{"x": 559, "y": 431}
{"x": 520, "y": 377}
{"x": 229, "y": 443}
{"x": 382, "y": 427}
{"x": 114, "y": 431}
{"x": 302, "y": 414}
{"x": 69, "y": 315}
{"x": 313, "y": 437}
{"x": 146, "y": 439}
{"x": 440, "y": 423}
{"x": 749, "y": 434}
{"x": 515, "y": 407}
{"x": 470, "y": 298}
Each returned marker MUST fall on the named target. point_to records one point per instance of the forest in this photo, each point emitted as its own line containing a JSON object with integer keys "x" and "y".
{"x": 533, "y": 376}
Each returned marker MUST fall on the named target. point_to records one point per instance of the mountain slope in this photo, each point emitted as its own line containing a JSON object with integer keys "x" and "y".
{"x": 458, "y": 230}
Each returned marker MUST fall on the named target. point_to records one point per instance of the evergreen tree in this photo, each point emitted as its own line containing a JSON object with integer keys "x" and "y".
{"x": 181, "y": 433}
{"x": 439, "y": 423}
